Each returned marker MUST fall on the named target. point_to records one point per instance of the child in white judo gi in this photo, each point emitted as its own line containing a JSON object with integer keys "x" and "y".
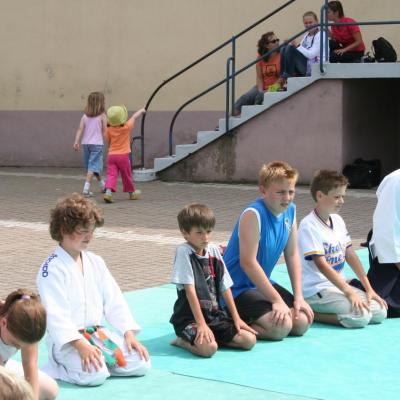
{"x": 78, "y": 291}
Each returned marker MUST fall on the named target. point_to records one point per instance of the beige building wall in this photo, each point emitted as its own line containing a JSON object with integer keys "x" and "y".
{"x": 54, "y": 52}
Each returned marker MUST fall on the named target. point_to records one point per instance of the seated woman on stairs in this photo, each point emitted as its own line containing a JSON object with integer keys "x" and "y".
{"x": 298, "y": 57}
{"x": 267, "y": 73}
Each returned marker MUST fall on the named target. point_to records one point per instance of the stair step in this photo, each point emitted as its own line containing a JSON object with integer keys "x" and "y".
{"x": 163, "y": 162}
{"x": 144, "y": 175}
{"x": 233, "y": 122}
{"x": 182, "y": 150}
{"x": 204, "y": 137}
{"x": 251, "y": 111}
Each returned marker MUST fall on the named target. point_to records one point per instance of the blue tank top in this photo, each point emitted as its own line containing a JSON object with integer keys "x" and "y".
{"x": 274, "y": 235}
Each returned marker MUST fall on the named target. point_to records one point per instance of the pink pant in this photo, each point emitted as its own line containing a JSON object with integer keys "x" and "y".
{"x": 119, "y": 163}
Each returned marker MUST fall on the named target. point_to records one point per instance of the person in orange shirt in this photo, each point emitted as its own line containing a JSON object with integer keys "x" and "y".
{"x": 117, "y": 135}
{"x": 268, "y": 71}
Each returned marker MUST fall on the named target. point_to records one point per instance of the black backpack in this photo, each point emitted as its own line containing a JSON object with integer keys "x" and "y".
{"x": 383, "y": 50}
{"x": 363, "y": 174}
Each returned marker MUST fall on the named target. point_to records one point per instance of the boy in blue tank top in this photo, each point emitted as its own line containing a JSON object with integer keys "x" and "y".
{"x": 265, "y": 229}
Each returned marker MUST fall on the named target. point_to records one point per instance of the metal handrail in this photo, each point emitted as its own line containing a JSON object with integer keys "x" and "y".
{"x": 327, "y": 24}
{"x": 322, "y": 25}
{"x": 205, "y": 56}
{"x": 226, "y": 79}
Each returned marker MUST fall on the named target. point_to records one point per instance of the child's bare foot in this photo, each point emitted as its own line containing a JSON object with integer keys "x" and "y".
{"x": 177, "y": 342}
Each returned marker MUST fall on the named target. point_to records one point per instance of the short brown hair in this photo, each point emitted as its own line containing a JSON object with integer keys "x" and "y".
{"x": 196, "y": 215}
{"x": 13, "y": 387}
{"x": 73, "y": 211}
{"x": 325, "y": 180}
{"x": 26, "y": 316}
{"x": 276, "y": 171}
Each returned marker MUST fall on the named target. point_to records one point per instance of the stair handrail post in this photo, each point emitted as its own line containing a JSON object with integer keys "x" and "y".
{"x": 324, "y": 42}
{"x": 233, "y": 72}
{"x": 229, "y": 63}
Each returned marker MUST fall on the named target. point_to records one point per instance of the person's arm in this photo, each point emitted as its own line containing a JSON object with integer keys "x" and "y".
{"x": 355, "y": 264}
{"x": 249, "y": 237}
{"x": 104, "y": 127}
{"x": 357, "y": 41}
{"x": 338, "y": 280}
{"x": 78, "y": 135}
{"x": 29, "y": 355}
{"x": 204, "y": 333}
{"x": 314, "y": 50}
{"x": 135, "y": 116}
{"x": 293, "y": 263}
{"x": 230, "y": 304}
{"x": 259, "y": 78}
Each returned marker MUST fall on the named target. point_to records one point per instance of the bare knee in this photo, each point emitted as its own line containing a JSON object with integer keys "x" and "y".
{"x": 206, "y": 349}
{"x": 300, "y": 325}
{"x": 268, "y": 330}
{"x": 245, "y": 340}
{"x": 48, "y": 388}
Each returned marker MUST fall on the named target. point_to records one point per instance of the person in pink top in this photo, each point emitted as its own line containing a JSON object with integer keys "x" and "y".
{"x": 347, "y": 45}
{"x": 118, "y": 161}
{"x": 90, "y": 134}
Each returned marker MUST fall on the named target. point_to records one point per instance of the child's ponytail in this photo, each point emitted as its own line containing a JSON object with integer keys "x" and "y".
{"x": 26, "y": 316}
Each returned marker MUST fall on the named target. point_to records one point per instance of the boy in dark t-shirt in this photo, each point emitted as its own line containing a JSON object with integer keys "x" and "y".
{"x": 202, "y": 279}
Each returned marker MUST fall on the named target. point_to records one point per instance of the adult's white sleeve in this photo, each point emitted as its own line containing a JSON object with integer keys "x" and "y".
{"x": 314, "y": 50}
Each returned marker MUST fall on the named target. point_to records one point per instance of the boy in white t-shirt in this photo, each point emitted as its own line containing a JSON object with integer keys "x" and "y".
{"x": 324, "y": 246}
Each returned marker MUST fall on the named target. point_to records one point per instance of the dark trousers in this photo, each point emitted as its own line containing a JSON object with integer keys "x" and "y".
{"x": 293, "y": 63}
{"x": 348, "y": 57}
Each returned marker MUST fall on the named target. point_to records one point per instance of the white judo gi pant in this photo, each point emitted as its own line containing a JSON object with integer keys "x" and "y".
{"x": 333, "y": 301}
{"x": 65, "y": 364}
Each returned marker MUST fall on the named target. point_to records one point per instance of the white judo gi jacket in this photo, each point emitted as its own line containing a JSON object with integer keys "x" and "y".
{"x": 74, "y": 300}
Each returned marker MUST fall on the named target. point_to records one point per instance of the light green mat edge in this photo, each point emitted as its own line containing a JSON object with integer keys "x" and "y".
{"x": 328, "y": 363}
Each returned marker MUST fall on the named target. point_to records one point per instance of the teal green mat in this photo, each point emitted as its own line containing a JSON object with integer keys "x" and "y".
{"x": 328, "y": 363}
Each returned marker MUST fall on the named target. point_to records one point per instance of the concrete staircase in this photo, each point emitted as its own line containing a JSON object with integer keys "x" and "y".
{"x": 333, "y": 71}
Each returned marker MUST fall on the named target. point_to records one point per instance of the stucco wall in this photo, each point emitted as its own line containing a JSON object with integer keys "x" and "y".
{"x": 55, "y": 52}
{"x": 324, "y": 126}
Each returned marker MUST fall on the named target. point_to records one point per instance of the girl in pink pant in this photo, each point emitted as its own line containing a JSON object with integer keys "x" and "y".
{"x": 118, "y": 161}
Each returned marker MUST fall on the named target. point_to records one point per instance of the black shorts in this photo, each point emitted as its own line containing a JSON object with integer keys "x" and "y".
{"x": 222, "y": 327}
{"x": 252, "y": 304}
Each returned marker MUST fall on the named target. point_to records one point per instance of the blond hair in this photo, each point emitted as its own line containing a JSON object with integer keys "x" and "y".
{"x": 276, "y": 171}
{"x": 13, "y": 387}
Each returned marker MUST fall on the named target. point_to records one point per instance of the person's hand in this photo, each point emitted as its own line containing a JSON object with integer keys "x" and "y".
{"x": 240, "y": 324}
{"x": 295, "y": 43}
{"x": 204, "y": 334}
{"x": 133, "y": 344}
{"x": 357, "y": 303}
{"x": 280, "y": 311}
{"x": 90, "y": 355}
{"x": 300, "y": 304}
{"x": 372, "y": 295}
{"x": 339, "y": 52}
{"x": 77, "y": 146}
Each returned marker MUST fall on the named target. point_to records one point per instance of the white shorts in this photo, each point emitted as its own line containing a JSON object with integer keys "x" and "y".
{"x": 333, "y": 301}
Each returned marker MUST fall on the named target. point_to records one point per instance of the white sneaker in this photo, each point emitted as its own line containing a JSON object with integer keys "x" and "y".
{"x": 87, "y": 193}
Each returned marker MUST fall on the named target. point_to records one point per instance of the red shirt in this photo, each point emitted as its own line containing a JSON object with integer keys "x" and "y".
{"x": 344, "y": 34}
